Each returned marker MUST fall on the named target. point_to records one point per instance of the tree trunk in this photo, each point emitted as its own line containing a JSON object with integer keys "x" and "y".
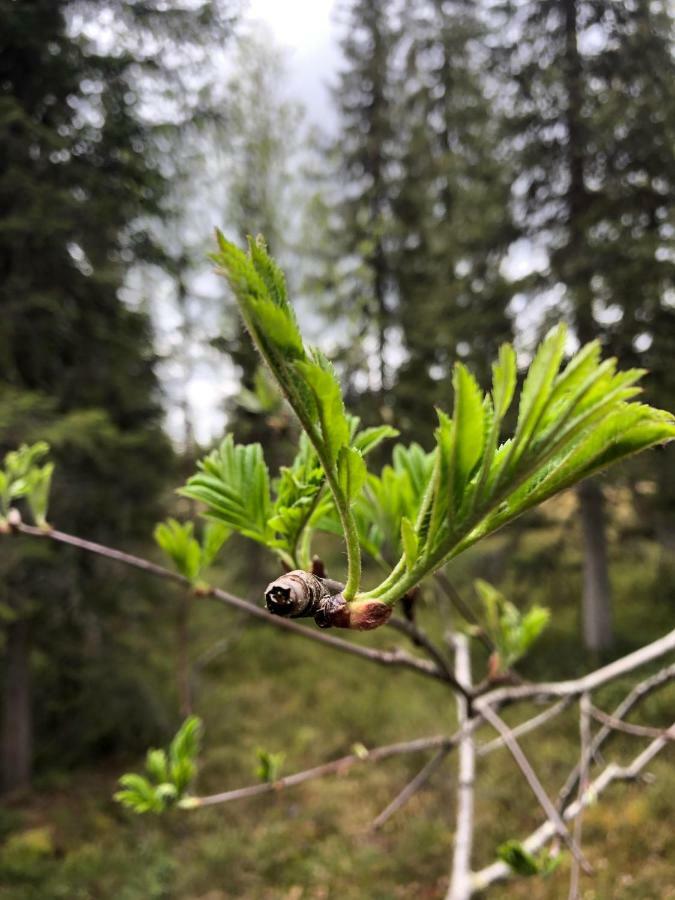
{"x": 17, "y": 730}
{"x": 597, "y": 594}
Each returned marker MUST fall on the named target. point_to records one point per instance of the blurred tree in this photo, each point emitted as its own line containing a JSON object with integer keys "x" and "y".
{"x": 83, "y": 150}
{"x": 416, "y": 224}
{"x": 590, "y": 110}
{"x": 355, "y": 212}
{"x": 452, "y": 222}
{"x": 260, "y": 182}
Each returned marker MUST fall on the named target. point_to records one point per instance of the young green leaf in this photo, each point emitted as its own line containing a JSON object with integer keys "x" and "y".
{"x": 351, "y": 472}
{"x": 468, "y": 420}
{"x": 233, "y": 483}
{"x": 321, "y": 378}
{"x": 269, "y": 765}
{"x": 409, "y": 541}
{"x": 214, "y": 536}
{"x": 177, "y": 541}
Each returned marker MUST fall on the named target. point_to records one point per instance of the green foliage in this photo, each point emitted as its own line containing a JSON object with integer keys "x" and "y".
{"x": 522, "y": 862}
{"x": 572, "y": 421}
{"x": 169, "y": 774}
{"x": 269, "y": 765}
{"x": 233, "y": 482}
{"x": 264, "y": 396}
{"x": 189, "y": 556}
{"x": 23, "y": 477}
{"x": 511, "y": 631}
{"x": 306, "y": 379}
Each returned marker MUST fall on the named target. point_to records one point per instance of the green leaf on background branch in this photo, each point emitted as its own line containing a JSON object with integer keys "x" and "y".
{"x": 511, "y": 631}
{"x": 22, "y": 477}
{"x": 169, "y": 774}
{"x": 522, "y": 862}
{"x": 269, "y": 765}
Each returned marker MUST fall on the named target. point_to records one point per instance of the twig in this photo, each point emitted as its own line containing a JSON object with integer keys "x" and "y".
{"x": 637, "y": 694}
{"x": 396, "y": 657}
{"x": 628, "y": 727}
{"x": 527, "y": 726}
{"x": 426, "y": 773}
{"x": 460, "y": 878}
{"x": 587, "y": 683}
{"x": 420, "y": 638}
{"x": 411, "y": 788}
{"x": 499, "y": 871}
{"x": 584, "y": 764}
{"x": 336, "y": 766}
{"x": 531, "y": 777}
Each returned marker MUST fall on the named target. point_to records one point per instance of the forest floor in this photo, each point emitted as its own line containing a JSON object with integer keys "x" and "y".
{"x": 267, "y": 690}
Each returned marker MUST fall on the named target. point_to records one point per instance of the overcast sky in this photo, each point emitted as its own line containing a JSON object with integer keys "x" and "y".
{"x": 307, "y": 30}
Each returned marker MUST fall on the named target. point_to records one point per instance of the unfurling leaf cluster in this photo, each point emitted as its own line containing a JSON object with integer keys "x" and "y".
{"x": 269, "y": 765}
{"x": 22, "y": 477}
{"x": 522, "y": 862}
{"x": 573, "y": 419}
{"x": 189, "y": 556}
{"x": 511, "y": 631}
{"x": 169, "y": 774}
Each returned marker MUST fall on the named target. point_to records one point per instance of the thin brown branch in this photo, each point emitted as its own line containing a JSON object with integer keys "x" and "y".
{"x": 535, "y": 784}
{"x": 463, "y": 608}
{"x": 459, "y": 887}
{"x": 628, "y": 728}
{"x": 641, "y": 690}
{"x": 525, "y": 727}
{"x": 336, "y": 766}
{"x": 420, "y": 638}
{"x": 411, "y": 788}
{"x": 500, "y": 871}
{"x": 397, "y": 658}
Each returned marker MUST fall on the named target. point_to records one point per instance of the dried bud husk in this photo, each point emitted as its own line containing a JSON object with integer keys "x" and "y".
{"x": 300, "y": 594}
{"x": 295, "y": 594}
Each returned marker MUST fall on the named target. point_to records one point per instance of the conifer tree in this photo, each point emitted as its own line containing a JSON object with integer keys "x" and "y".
{"x": 79, "y": 172}
{"x": 590, "y": 110}
{"x": 356, "y": 274}
{"x": 451, "y": 206}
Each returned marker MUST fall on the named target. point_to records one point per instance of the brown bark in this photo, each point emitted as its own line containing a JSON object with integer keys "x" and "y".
{"x": 597, "y": 595}
{"x": 17, "y": 726}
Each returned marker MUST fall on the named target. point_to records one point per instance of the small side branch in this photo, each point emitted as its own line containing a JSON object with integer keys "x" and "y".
{"x": 628, "y": 728}
{"x": 535, "y": 784}
{"x": 527, "y": 726}
{"x": 397, "y": 658}
{"x": 411, "y": 788}
{"x": 460, "y": 878}
{"x": 584, "y": 766}
{"x": 499, "y": 871}
{"x": 641, "y": 690}
{"x": 587, "y": 683}
{"x": 442, "y": 743}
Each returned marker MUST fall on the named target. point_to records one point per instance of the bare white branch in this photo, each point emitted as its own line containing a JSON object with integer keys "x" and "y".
{"x": 460, "y": 879}
{"x": 534, "y": 782}
{"x": 584, "y": 765}
{"x": 586, "y": 684}
{"x": 411, "y": 788}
